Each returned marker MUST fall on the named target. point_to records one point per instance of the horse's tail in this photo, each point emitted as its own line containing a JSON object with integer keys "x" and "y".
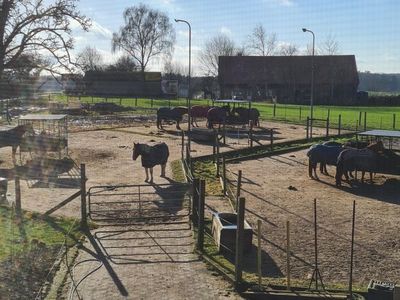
{"x": 340, "y": 167}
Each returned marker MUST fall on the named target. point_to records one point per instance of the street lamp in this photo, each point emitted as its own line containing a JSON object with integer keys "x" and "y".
{"x": 189, "y": 104}
{"x": 312, "y": 77}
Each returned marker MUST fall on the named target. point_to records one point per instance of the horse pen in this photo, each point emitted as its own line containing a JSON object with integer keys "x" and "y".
{"x": 277, "y": 189}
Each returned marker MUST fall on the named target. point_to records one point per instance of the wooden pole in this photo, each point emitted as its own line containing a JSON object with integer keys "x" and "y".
{"x": 288, "y": 284}
{"x": 274, "y": 112}
{"x": 300, "y": 113}
{"x": 200, "y": 234}
{"x": 18, "y": 206}
{"x": 224, "y": 175}
{"x": 215, "y": 145}
{"x": 217, "y": 158}
{"x": 183, "y": 145}
{"x": 394, "y": 121}
{"x": 365, "y": 120}
{"x": 239, "y": 242}
{"x": 340, "y": 125}
{"x": 251, "y": 136}
{"x": 195, "y": 199}
{"x": 307, "y": 128}
{"x": 352, "y": 251}
{"x": 359, "y": 118}
{"x": 136, "y": 101}
{"x": 259, "y": 253}
{"x": 238, "y": 188}
{"x": 83, "y": 197}
{"x": 271, "y": 139}
{"x": 327, "y": 127}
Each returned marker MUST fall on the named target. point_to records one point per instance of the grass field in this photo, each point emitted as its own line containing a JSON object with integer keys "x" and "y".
{"x": 352, "y": 117}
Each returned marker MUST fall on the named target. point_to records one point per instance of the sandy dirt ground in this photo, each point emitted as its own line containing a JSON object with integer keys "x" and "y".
{"x": 278, "y": 189}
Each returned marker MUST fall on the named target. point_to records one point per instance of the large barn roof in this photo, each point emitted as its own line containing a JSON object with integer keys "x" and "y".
{"x": 278, "y": 69}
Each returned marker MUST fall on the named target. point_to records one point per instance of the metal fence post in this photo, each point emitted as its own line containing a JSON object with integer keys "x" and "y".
{"x": 200, "y": 233}
{"x": 239, "y": 242}
{"x": 288, "y": 284}
{"x": 352, "y": 250}
{"x": 195, "y": 200}
{"x": 217, "y": 158}
{"x": 83, "y": 197}
{"x": 259, "y": 253}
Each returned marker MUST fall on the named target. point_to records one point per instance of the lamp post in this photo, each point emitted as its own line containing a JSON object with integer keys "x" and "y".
{"x": 189, "y": 95}
{"x": 312, "y": 78}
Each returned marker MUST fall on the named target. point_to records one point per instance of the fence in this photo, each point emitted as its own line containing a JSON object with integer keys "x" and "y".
{"x": 232, "y": 186}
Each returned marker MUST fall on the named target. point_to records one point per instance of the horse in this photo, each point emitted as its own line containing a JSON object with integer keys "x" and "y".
{"x": 198, "y": 111}
{"x": 151, "y": 156}
{"x": 217, "y": 115}
{"x": 175, "y": 114}
{"x": 323, "y": 154}
{"x": 248, "y": 114}
{"x": 364, "y": 160}
{"x": 322, "y": 166}
{"x": 13, "y": 137}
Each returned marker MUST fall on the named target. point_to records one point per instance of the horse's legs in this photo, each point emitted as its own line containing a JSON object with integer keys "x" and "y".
{"x": 151, "y": 175}
{"x": 147, "y": 175}
{"x": 177, "y": 125}
{"x": 163, "y": 170}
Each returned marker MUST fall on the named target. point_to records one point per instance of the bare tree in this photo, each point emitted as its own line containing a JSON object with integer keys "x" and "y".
{"x": 260, "y": 43}
{"x": 147, "y": 33}
{"x": 288, "y": 50}
{"x": 90, "y": 59}
{"x": 174, "y": 69}
{"x": 220, "y": 45}
{"x": 330, "y": 46}
{"x": 38, "y": 29}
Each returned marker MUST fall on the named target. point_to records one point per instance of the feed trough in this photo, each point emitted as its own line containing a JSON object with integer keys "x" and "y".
{"x": 203, "y": 135}
{"x": 224, "y": 227}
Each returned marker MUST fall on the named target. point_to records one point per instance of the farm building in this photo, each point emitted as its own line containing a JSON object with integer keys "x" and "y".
{"x": 107, "y": 83}
{"x": 287, "y": 79}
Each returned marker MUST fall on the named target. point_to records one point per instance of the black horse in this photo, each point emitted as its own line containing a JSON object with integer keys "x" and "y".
{"x": 151, "y": 156}
{"x": 13, "y": 137}
{"x": 175, "y": 114}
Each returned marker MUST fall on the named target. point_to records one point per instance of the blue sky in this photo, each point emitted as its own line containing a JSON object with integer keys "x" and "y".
{"x": 369, "y": 29}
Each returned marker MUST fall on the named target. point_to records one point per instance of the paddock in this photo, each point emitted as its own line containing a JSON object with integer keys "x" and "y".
{"x": 284, "y": 192}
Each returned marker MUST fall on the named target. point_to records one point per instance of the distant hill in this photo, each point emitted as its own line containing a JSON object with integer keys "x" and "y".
{"x": 388, "y": 83}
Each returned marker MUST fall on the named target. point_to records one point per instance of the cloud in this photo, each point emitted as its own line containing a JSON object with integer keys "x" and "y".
{"x": 281, "y": 2}
{"x": 225, "y": 30}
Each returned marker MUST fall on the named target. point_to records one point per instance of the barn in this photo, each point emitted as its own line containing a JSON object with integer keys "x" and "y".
{"x": 287, "y": 79}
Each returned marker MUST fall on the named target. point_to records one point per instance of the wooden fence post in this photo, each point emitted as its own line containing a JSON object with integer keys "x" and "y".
{"x": 251, "y": 136}
{"x": 83, "y": 197}
{"x": 215, "y": 145}
{"x": 259, "y": 271}
{"x": 183, "y": 145}
{"x": 195, "y": 200}
{"x": 200, "y": 233}
{"x": 288, "y": 284}
{"x": 394, "y": 121}
{"x": 238, "y": 189}
{"x": 271, "y": 139}
{"x": 307, "y": 128}
{"x": 359, "y": 118}
{"x": 339, "y": 125}
{"x": 151, "y": 103}
{"x": 300, "y": 113}
{"x": 274, "y": 111}
{"x": 327, "y": 127}
{"x": 18, "y": 206}
{"x": 239, "y": 242}
{"x": 352, "y": 250}
{"x": 224, "y": 175}
{"x": 217, "y": 158}
{"x": 365, "y": 120}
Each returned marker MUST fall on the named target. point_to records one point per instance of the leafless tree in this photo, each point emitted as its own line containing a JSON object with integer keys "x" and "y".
{"x": 288, "y": 50}
{"x": 90, "y": 59}
{"x": 39, "y": 29}
{"x": 260, "y": 43}
{"x": 174, "y": 68}
{"x": 147, "y": 33}
{"x": 330, "y": 46}
{"x": 220, "y": 45}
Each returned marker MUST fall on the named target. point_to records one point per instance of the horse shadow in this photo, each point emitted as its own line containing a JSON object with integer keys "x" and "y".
{"x": 171, "y": 197}
{"x": 387, "y": 192}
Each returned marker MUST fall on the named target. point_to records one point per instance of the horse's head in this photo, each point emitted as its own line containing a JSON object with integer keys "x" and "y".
{"x": 376, "y": 147}
{"x": 22, "y": 129}
{"x": 136, "y": 151}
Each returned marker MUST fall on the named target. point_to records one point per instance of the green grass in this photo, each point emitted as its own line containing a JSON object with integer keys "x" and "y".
{"x": 18, "y": 235}
{"x": 377, "y": 116}
{"x": 207, "y": 170}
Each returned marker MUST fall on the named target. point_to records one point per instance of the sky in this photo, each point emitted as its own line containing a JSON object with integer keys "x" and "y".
{"x": 369, "y": 29}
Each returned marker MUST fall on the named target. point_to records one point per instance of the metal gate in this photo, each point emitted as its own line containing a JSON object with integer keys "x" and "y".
{"x": 131, "y": 204}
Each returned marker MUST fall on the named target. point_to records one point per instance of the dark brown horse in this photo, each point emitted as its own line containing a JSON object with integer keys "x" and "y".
{"x": 151, "y": 156}
{"x": 13, "y": 137}
{"x": 174, "y": 114}
{"x": 198, "y": 111}
{"x": 217, "y": 115}
{"x": 364, "y": 160}
{"x": 248, "y": 114}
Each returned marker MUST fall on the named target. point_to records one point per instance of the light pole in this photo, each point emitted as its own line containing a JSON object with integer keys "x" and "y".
{"x": 189, "y": 95}
{"x": 312, "y": 78}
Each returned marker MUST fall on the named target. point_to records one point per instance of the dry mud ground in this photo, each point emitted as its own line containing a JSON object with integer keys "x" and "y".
{"x": 278, "y": 189}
